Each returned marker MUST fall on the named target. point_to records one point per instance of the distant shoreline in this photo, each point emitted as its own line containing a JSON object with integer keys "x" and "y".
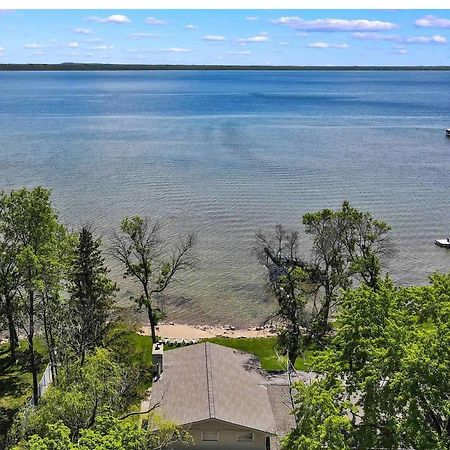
{"x": 113, "y": 67}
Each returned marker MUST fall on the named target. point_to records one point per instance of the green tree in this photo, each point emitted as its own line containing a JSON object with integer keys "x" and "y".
{"x": 391, "y": 355}
{"x": 108, "y": 433}
{"x": 321, "y": 416}
{"x": 346, "y": 245}
{"x": 82, "y": 394}
{"x": 327, "y": 228}
{"x": 140, "y": 248}
{"x": 290, "y": 279}
{"x": 91, "y": 297}
{"x": 29, "y": 221}
{"x": 9, "y": 283}
{"x": 367, "y": 243}
{"x": 53, "y": 311}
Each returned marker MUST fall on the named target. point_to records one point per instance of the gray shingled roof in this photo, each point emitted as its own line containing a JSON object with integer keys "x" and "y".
{"x": 208, "y": 381}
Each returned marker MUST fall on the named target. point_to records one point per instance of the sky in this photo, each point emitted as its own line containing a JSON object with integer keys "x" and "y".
{"x": 243, "y": 37}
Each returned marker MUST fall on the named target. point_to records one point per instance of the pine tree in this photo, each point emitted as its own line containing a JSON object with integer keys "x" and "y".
{"x": 91, "y": 295}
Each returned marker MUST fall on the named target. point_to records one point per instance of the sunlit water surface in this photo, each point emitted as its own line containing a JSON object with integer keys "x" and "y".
{"x": 228, "y": 153}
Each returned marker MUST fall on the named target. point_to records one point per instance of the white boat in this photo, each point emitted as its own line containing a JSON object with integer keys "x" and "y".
{"x": 443, "y": 242}
{"x": 447, "y": 132}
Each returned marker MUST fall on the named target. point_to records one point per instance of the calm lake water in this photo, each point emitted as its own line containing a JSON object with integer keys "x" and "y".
{"x": 229, "y": 153}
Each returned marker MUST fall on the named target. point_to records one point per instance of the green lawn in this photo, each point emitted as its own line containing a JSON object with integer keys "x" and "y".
{"x": 134, "y": 351}
{"x": 16, "y": 382}
{"x": 265, "y": 349}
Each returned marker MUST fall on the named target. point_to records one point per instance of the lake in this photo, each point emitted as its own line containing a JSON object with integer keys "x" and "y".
{"x": 228, "y": 153}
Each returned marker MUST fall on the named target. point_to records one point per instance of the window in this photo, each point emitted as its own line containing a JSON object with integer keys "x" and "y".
{"x": 210, "y": 436}
{"x": 245, "y": 437}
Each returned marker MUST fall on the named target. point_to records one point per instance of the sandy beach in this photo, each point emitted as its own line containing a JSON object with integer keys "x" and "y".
{"x": 172, "y": 330}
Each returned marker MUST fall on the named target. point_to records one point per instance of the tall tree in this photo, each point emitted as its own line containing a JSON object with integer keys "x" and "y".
{"x": 327, "y": 228}
{"x": 367, "y": 243}
{"x": 9, "y": 283}
{"x": 386, "y": 370}
{"x": 140, "y": 248}
{"x": 53, "y": 311}
{"x": 289, "y": 278}
{"x": 91, "y": 296}
{"x": 31, "y": 223}
{"x": 346, "y": 245}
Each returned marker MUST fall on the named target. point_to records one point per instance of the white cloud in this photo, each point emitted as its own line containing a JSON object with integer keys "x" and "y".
{"x": 283, "y": 43}
{"x": 82, "y": 31}
{"x": 334, "y": 24}
{"x": 251, "y": 18}
{"x": 115, "y": 18}
{"x": 104, "y": 47}
{"x": 254, "y": 39}
{"x": 93, "y": 40}
{"x": 241, "y": 53}
{"x": 176, "y": 50}
{"x": 374, "y": 36}
{"x": 191, "y": 27}
{"x": 33, "y": 45}
{"x": 143, "y": 35}
{"x": 73, "y": 44}
{"x": 213, "y": 38}
{"x": 436, "y": 39}
{"x": 38, "y": 53}
{"x": 401, "y": 51}
{"x": 326, "y": 45}
{"x": 433, "y": 22}
{"x": 2, "y": 49}
{"x": 154, "y": 21}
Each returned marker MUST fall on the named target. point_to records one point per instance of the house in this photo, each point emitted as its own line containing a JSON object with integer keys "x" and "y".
{"x": 209, "y": 390}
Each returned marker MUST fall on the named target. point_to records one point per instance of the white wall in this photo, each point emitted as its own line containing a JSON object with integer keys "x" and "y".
{"x": 227, "y": 437}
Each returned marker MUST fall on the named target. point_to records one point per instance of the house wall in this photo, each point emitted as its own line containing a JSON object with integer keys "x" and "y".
{"x": 227, "y": 437}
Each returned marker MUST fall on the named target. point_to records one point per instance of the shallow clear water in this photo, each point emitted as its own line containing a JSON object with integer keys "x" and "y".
{"x": 229, "y": 153}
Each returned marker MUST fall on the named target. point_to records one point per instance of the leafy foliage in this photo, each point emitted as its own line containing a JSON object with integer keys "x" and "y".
{"x": 108, "y": 433}
{"x": 391, "y": 355}
{"x": 30, "y": 223}
{"x": 82, "y": 393}
{"x": 347, "y": 245}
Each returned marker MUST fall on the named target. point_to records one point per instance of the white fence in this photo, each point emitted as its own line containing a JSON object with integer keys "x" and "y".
{"x": 46, "y": 381}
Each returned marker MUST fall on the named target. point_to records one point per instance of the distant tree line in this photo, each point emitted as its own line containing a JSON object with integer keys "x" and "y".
{"x": 72, "y": 66}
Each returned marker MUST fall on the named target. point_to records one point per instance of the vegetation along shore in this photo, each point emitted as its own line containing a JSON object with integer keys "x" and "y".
{"x": 69, "y": 66}
{"x": 377, "y": 354}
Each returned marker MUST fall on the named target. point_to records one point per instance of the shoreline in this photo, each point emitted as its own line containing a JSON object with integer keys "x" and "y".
{"x": 171, "y": 330}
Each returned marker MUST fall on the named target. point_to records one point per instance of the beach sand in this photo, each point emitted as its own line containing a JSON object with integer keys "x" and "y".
{"x": 172, "y": 330}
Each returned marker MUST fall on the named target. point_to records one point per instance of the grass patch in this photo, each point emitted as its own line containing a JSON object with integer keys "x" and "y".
{"x": 265, "y": 349}
{"x": 16, "y": 381}
{"x": 134, "y": 351}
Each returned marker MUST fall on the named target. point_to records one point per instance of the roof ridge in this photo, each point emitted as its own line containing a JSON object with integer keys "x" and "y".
{"x": 209, "y": 382}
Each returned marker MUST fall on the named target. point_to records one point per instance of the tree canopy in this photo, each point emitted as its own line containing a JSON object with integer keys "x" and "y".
{"x": 384, "y": 378}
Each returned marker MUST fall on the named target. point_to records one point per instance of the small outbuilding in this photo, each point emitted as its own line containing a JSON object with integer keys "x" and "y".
{"x": 209, "y": 390}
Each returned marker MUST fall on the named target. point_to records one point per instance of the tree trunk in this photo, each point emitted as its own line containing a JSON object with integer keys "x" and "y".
{"x": 49, "y": 341}
{"x": 31, "y": 348}
{"x": 152, "y": 320}
{"x": 13, "y": 338}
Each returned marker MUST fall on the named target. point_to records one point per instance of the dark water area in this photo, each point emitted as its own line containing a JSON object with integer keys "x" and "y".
{"x": 229, "y": 153}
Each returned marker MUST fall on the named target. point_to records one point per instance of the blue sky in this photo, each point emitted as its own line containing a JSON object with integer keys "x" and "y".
{"x": 277, "y": 37}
